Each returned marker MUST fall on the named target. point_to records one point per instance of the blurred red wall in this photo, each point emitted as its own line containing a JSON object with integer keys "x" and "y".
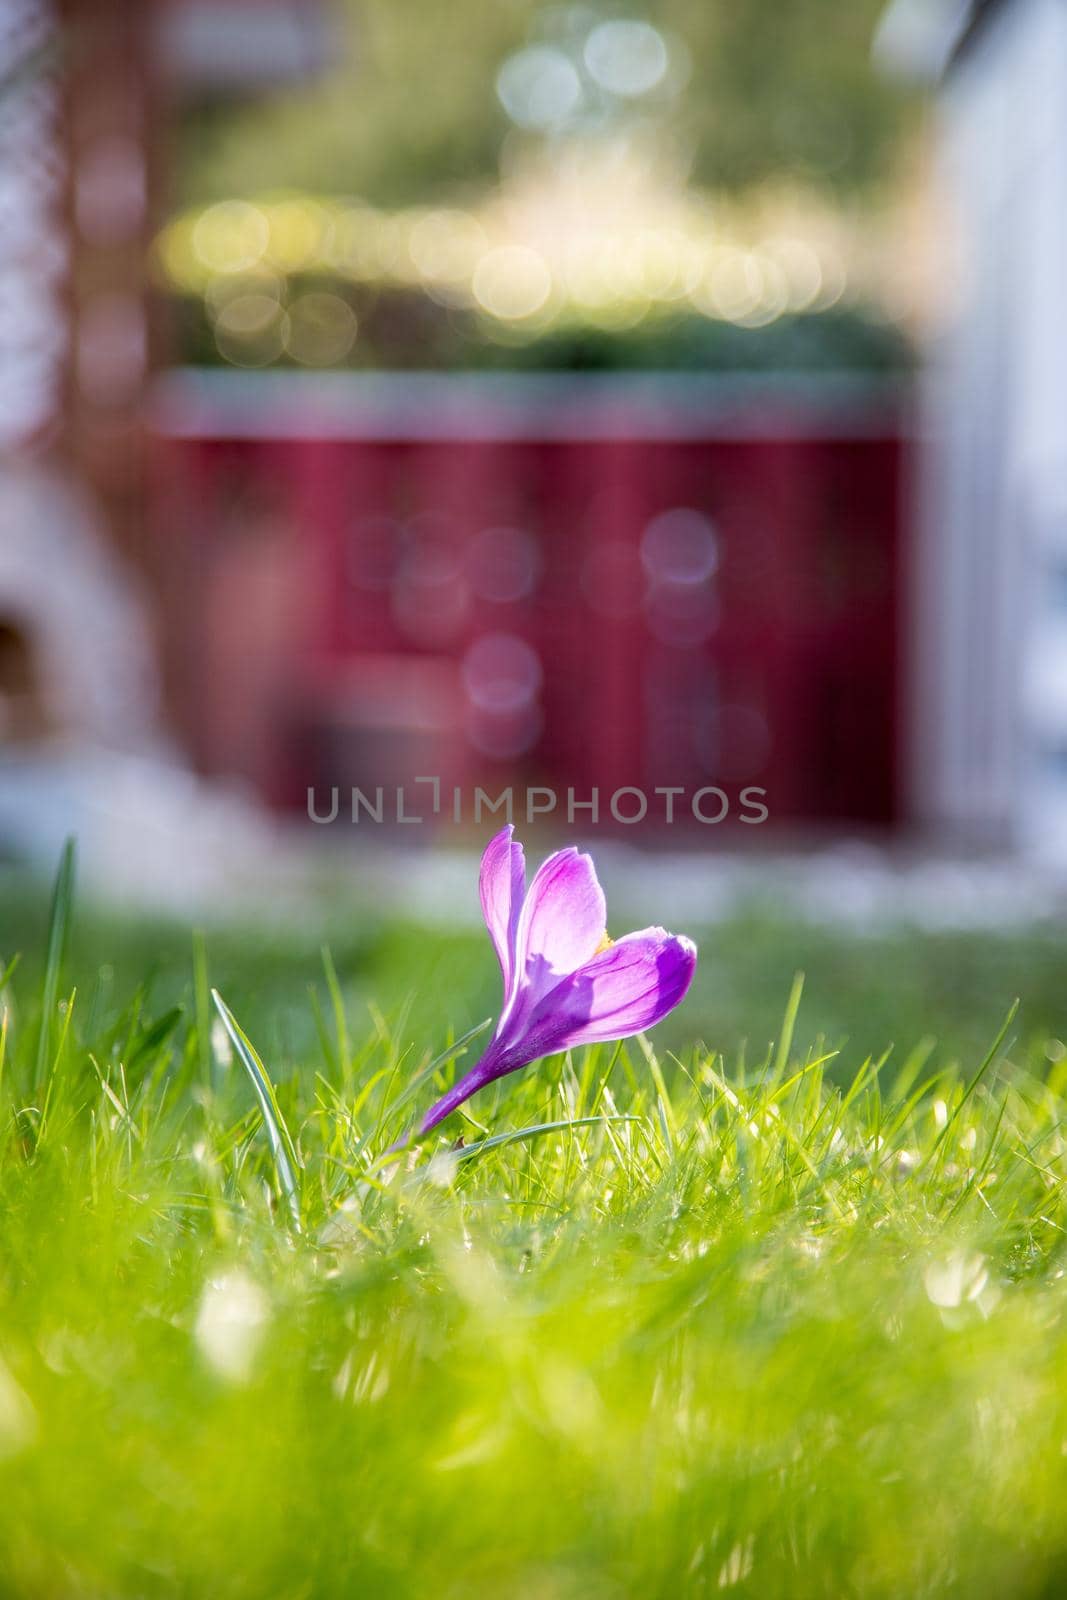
{"x": 580, "y": 585}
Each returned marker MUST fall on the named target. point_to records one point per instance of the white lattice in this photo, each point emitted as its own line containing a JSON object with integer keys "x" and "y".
{"x": 32, "y": 326}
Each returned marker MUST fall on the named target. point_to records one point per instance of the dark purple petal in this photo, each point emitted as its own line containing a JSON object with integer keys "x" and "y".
{"x": 564, "y": 919}
{"x": 628, "y": 987}
{"x": 502, "y": 885}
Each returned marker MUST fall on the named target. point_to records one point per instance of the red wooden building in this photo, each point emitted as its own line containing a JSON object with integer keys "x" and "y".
{"x": 582, "y": 583}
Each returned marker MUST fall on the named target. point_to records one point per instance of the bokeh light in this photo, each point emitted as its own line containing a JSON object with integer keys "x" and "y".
{"x": 502, "y": 677}
{"x": 297, "y": 232}
{"x": 512, "y": 282}
{"x": 446, "y": 246}
{"x": 539, "y": 88}
{"x": 627, "y": 58}
{"x": 624, "y": 253}
{"x": 250, "y": 330}
{"x": 504, "y": 565}
{"x": 680, "y": 547}
{"x": 321, "y": 329}
{"x": 501, "y": 673}
{"x": 430, "y": 593}
{"x": 231, "y": 236}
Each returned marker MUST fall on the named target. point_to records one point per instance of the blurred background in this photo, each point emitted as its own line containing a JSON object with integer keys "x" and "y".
{"x": 589, "y": 396}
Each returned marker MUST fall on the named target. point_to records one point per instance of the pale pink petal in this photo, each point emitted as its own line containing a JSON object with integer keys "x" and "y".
{"x": 564, "y": 919}
{"x": 502, "y": 885}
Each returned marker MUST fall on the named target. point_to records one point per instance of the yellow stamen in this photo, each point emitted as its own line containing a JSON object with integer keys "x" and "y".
{"x": 605, "y": 944}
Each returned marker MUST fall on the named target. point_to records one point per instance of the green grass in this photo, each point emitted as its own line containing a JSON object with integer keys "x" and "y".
{"x": 732, "y": 1314}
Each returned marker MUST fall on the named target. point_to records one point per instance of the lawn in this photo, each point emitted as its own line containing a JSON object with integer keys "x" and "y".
{"x": 750, "y": 1306}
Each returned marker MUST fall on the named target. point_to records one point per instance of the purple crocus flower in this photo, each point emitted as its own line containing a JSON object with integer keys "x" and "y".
{"x": 565, "y": 982}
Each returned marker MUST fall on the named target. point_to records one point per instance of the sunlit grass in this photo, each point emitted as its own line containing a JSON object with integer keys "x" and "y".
{"x": 664, "y": 1324}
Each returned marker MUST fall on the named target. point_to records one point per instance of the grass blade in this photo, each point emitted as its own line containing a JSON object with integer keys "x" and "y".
{"x": 990, "y": 1057}
{"x": 58, "y": 925}
{"x": 468, "y": 1152}
{"x": 202, "y": 1003}
{"x": 282, "y": 1147}
{"x": 154, "y": 1036}
{"x": 789, "y": 1022}
{"x": 449, "y": 1054}
{"x": 344, "y": 1048}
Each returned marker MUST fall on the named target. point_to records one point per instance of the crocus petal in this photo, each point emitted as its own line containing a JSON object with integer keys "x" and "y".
{"x": 628, "y": 987}
{"x": 564, "y": 918}
{"x": 502, "y": 885}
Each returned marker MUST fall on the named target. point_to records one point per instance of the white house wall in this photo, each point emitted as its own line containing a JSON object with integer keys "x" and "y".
{"x": 991, "y": 580}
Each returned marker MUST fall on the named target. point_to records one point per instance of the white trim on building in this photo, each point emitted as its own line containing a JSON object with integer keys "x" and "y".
{"x": 989, "y": 690}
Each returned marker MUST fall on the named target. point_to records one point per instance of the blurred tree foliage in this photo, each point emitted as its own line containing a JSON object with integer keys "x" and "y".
{"x": 409, "y": 112}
